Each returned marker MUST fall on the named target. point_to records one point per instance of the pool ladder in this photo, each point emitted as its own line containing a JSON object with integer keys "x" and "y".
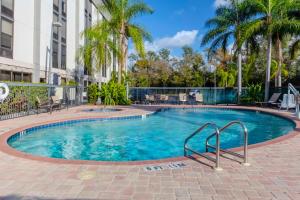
{"x": 216, "y": 134}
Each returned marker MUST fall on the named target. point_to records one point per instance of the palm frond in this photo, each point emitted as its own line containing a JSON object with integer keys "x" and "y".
{"x": 137, "y": 9}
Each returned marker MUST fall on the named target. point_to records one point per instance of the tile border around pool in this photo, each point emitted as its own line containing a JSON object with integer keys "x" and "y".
{"x": 4, "y": 147}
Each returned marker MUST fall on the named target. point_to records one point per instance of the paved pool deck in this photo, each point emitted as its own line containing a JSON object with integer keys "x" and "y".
{"x": 274, "y": 172}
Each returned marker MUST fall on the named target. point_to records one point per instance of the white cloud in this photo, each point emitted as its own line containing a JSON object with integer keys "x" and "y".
{"x": 179, "y": 40}
{"x": 219, "y": 3}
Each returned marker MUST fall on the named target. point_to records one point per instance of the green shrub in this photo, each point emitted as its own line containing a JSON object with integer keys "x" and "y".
{"x": 22, "y": 95}
{"x": 93, "y": 93}
{"x": 254, "y": 93}
{"x": 114, "y": 93}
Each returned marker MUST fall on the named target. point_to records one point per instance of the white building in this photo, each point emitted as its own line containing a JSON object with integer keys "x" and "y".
{"x": 27, "y": 42}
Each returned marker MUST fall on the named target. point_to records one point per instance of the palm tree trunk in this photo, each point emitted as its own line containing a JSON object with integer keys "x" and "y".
{"x": 239, "y": 74}
{"x": 120, "y": 60}
{"x": 280, "y": 60}
{"x": 268, "y": 69}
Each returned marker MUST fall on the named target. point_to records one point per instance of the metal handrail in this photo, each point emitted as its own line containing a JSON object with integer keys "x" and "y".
{"x": 293, "y": 89}
{"x": 245, "y": 131}
{"x": 297, "y": 94}
{"x": 198, "y": 131}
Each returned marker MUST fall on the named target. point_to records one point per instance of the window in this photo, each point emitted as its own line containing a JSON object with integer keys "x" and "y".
{"x": 63, "y": 8}
{"x": 6, "y": 25}
{"x": 17, "y": 77}
{"x": 63, "y": 56}
{"x": 7, "y": 34}
{"x": 56, "y": 5}
{"x": 7, "y": 8}
{"x": 55, "y": 54}
{"x": 26, "y": 78}
{"x": 5, "y": 75}
{"x": 59, "y": 34}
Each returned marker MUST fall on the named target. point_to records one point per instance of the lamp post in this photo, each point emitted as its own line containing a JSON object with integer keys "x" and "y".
{"x": 54, "y": 25}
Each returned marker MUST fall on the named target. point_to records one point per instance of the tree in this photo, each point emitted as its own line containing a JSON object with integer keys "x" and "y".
{"x": 96, "y": 50}
{"x": 120, "y": 24}
{"x": 165, "y": 54}
{"x": 267, "y": 20}
{"x": 223, "y": 28}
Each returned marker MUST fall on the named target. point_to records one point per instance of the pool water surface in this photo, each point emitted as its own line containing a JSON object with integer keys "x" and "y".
{"x": 158, "y": 136}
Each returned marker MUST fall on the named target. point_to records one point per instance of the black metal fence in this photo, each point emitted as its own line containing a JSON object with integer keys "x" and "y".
{"x": 23, "y": 98}
{"x": 210, "y": 95}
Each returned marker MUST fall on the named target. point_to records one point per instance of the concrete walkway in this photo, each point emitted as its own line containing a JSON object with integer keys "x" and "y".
{"x": 274, "y": 173}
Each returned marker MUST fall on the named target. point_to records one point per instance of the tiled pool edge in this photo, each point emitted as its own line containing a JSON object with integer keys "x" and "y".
{"x": 4, "y": 147}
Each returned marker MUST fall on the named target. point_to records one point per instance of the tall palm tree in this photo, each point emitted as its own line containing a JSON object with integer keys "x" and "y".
{"x": 267, "y": 20}
{"x": 97, "y": 49}
{"x": 223, "y": 28}
{"x": 120, "y": 24}
{"x": 289, "y": 12}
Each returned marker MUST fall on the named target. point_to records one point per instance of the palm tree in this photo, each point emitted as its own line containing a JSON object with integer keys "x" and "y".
{"x": 223, "y": 28}
{"x": 97, "y": 48}
{"x": 288, "y": 12}
{"x": 120, "y": 24}
{"x": 267, "y": 20}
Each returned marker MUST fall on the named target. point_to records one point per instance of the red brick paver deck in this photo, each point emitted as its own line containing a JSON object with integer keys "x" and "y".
{"x": 274, "y": 173}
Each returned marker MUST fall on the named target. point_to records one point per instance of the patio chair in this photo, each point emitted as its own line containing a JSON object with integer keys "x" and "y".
{"x": 149, "y": 99}
{"x": 288, "y": 102}
{"x": 164, "y": 98}
{"x": 199, "y": 98}
{"x": 272, "y": 101}
{"x": 56, "y": 102}
{"x": 43, "y": 105}
{"x": 182, "y": 98}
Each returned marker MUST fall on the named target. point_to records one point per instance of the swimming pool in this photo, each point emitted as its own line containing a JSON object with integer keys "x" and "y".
{"x": 157, "y": 136}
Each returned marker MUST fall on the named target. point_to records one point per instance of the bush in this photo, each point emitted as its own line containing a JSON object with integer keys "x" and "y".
{"x": 19, "y": 96}
{"x": 93, "y": 93}
{"x": 254, "y": 93}
{"x": 114, "y": 93}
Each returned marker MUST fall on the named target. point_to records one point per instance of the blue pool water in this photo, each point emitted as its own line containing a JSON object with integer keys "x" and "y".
{"x": 158, "y": 136}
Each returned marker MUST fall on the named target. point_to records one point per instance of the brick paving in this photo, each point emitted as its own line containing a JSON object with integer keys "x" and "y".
{"x": 274, "y": 173}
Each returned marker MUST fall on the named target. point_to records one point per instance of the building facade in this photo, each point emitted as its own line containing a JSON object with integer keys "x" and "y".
{"x": 40, "y": 39}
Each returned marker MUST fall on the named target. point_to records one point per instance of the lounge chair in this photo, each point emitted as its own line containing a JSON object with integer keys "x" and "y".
{"x": 199, "y": 98}
{"x": 288, "y": 102}
{"x": 182, "y": 98}
{"x": 272, "y": 101}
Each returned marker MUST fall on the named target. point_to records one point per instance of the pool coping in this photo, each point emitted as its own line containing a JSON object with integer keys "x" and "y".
{"x": 4, "y": 146}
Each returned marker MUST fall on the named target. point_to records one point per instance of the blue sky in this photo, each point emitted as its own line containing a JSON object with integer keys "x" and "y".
{"x": 176, "y": 23}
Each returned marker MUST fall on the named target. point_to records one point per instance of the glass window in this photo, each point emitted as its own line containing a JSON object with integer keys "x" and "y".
{"x": 7, "y": 23}
{"x": 64, "y": 31}
{"x": 7, "y": 27}
{"x": 27, "y": 77}
{"x": 17, "y": 76}
{"x": 64, "y": 7}
{"x": 5, "y": 76}
{"x": 59, "y": 34}
{"x": 55, "y": 55}
{"x": 63, "y": 56}
{"x": 56, "y": 5}
{"x": 8, "y": 4}
{"x": 7, "y": 8}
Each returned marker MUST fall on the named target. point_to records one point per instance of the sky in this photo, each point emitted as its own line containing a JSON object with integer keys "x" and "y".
{"x": 176, "y": 23}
